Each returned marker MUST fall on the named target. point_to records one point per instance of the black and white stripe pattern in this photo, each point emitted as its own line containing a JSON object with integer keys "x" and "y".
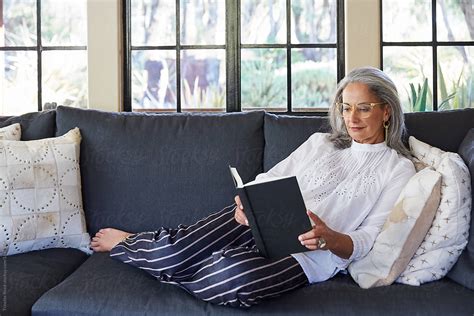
{"x": 215, "y": 259}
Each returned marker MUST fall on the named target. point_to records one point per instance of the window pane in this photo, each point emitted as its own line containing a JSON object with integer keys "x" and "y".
{"x": 455, "y": 77}
{"x": 313, "y": 21}
{"x": 65, "y": 78}
{"x": 64, "y": 22}
{"x": 263, "y": 22}
{"x": 18, "y": 23}
{"x": 406, "y": 21}
{"x": 202, "y": 22}
{"x": 18, "y": 83}
{"x": 203, "y": 79}
{"x": 410, "y": 65}
{"x": 153, "y": 80}
{"x": 455, "y": 20}
{"x": 313, "y": 77}
{"x": 153, "y": 22}
{"x": 263, "y": 78}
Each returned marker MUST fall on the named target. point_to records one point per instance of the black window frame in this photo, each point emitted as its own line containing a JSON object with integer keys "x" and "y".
{"x": 39, "y": 48}
{"x": 232, "y": 48}
{"x": 434, "y": 44}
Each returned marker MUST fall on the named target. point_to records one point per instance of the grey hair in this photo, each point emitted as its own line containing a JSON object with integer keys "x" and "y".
{"x": 384, "y": 88}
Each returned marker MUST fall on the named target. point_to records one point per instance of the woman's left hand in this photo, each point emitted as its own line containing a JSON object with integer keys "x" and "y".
{"x": 320, "y": 234}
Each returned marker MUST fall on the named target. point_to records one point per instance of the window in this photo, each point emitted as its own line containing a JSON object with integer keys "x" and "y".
{"x": 218, "y": 55}
{"x": 428, "y": 49}
{"x": 43, "y": 54}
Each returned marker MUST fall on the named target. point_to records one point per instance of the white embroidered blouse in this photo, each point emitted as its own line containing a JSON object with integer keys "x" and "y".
{"x": 352, "y": 190}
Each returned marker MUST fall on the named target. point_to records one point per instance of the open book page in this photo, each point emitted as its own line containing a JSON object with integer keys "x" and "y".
{"x": 236, "y": 177}
{"x": 239, "y": 183}
{"x": 266, "y": 180}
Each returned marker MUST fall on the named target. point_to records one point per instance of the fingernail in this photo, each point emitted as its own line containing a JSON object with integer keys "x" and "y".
{"x": 246, "y": 222}
{"x": 241, "y": 206}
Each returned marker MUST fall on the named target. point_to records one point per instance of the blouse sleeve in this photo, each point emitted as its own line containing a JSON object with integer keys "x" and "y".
{"x": 363, "y": 237}
{"x": 287, "y": 166}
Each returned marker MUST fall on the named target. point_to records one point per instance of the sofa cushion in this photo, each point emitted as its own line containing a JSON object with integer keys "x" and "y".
{"x": 143, "y": 171}
{"x": 463, "y": 270}
{"x": 102, "y": 286}
{"x": 34, "y": 125}
{"x": 29, "y": 275}
{"x": 444, "y": 129}
{"x": 283, "y": 134}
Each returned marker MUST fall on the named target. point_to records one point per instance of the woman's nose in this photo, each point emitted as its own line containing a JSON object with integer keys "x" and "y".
{"x": 354, "y": 115}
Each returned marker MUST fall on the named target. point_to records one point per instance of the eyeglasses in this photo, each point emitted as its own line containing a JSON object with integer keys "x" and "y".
{"x": 363, "y": 110}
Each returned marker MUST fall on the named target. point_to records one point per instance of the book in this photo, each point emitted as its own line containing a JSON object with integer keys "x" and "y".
{"x": 276, "y": 213}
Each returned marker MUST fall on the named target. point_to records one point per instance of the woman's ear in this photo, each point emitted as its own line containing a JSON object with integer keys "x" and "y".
{"x": 386, "y": 113}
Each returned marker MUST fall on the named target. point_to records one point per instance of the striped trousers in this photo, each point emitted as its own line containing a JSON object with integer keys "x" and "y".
{"x": 215, "y": 260}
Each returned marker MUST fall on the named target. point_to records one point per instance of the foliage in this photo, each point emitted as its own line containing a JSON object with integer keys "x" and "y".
{"x": 460, "y": 96}
{"x": 312, "y": 84}
{"x": 263, "y": 83}
{"x": 461, "y": 91}
{"x": 20, "y": 23}
{"x": 64, "y": 73}
{"x": 418, "y": 96}
{"x": 197, "y": 98}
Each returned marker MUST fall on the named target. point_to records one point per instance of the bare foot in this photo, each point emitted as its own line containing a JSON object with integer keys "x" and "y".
{"x": 107, "y": 238}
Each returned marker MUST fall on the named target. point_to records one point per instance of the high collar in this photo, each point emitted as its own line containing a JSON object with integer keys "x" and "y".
{"x": 368, "y": 147}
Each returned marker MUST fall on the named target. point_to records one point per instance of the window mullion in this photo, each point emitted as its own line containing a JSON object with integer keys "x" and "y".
{"x": 435, "y": 55}
{"x": 340, "y": 40}
{"x": 39, "y": 51}
{"x": 178, "y": 56}
{"x": 289, "y": 107}
{"x": 232, "y": 56}
{"x": 127, "y": 52}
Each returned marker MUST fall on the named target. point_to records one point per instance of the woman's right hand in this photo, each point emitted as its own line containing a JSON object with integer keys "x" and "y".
{"x": 239, "y": 212}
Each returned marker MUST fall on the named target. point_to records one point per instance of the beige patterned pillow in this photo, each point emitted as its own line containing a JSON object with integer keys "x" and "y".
{"x": 402, "y": 233}
{"x": 40, "y": 195}
{"x": 11, "y": 132}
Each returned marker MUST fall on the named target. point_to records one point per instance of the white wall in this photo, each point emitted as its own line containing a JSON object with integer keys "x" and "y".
{"x": 362, "y": 40}
{"x": 362, "y": 33}
{"x": 105, "y": 57}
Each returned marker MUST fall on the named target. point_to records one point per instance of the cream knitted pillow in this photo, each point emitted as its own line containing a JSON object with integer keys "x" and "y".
{"x": 11, "y": 132}
{"x": 40, "y": 195}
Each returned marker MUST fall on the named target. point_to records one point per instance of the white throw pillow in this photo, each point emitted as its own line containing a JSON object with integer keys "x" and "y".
{"x": 447, "y": 236}
{"x": 11, "y": 132}
{"x": 402, "y": 233}
{"x": 40, "y": 195}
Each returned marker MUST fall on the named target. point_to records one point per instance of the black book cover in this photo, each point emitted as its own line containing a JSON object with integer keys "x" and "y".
{"x": 276, "y": 213}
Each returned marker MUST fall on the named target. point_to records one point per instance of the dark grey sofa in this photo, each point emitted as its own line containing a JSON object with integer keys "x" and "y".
{"x": 143, "y": 171}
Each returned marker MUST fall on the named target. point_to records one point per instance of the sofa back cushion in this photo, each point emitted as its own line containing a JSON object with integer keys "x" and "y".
{"x": 143, "y": 171}
{"x": 463, "y": 270}
{"x": 283, "y": 134}
{"x": 444, "y": 129}
{"x": 36, "y": 125}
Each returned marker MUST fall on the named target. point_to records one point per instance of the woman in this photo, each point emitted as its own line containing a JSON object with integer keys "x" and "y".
{"x": 350, "y": 178}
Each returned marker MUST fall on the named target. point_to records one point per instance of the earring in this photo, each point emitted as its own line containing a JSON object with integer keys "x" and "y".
{"x": 386, "y": 124}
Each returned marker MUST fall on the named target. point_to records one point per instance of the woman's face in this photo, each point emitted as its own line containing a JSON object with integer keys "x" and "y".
{"x": 368, "y": 130}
